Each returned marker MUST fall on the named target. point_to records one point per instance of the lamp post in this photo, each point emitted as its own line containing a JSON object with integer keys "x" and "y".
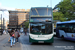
{"x": 1, "y": 25}
{"x": 17, "y": 22}
{"x": 51, "y": 3}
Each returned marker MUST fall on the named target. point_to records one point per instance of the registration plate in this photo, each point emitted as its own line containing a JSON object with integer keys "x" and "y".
{"x": 40, "y": 41}
{"x": 40, "y": 36}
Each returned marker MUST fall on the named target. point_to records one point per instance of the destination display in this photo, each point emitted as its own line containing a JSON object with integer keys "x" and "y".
{"x": 40, "y": 19}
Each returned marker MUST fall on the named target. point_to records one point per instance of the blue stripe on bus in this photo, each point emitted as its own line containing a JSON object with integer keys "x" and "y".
{"x": 67, "y": 38}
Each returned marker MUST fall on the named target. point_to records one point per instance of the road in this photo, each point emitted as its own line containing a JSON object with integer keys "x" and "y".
{"x": 58, "y": 44}
{"x": 24, "y": 44}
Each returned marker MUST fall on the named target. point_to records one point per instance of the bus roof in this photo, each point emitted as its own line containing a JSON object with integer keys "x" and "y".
{"x": 40, "y": 7}
{"x": 72, "y": 21}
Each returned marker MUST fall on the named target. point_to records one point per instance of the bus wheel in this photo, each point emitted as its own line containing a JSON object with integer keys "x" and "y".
{"x": 62, "y": 37}
{"x": 51, "y": 43}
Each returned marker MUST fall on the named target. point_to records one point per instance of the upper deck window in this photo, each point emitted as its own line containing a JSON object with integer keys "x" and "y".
{"x": 41, "y": 11}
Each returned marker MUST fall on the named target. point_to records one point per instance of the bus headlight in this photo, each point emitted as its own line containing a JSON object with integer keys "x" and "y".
{"x": 32, "y": 37}
{"x": 49, "y": 37}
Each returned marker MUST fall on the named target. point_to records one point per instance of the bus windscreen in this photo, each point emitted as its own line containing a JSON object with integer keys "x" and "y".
{"x": 40, "y": 28}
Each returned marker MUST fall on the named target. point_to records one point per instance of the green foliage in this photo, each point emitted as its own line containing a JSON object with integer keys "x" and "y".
{"x": 58, "y": 16}
{"x": 26, "y": 24}
{"x": 67, "y": 8}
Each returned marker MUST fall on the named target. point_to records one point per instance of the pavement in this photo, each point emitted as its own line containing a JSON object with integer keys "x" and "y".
{"x": 5, "y": 45}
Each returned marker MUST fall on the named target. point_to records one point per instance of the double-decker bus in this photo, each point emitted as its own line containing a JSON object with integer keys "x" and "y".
{"x": 40, "y": 25}
{"x": 66, "y": 30}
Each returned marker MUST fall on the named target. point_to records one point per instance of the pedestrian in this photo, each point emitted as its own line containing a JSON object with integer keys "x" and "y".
{"x": 9, "y": 31}
{"x": 4, "y": 32}
{"x": 17, "y": 35}
{"x": 28, "y": 30}
{"x": 25, "y": 31}
{"x": 12, "y": 37}
{"x": 18, "y": 30}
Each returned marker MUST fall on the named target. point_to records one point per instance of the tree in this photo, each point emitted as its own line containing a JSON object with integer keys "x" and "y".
{"x": 26, "y": 24}
{"x": 67, "y": 8}
{"x": 58, "y": 16}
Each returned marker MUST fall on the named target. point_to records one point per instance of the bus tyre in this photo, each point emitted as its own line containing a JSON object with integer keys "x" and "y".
{"x": 62, "y": 37}
{"x": 51, "y": 43}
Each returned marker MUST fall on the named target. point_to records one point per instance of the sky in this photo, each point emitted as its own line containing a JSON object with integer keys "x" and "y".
{"x": 26, "y": 4}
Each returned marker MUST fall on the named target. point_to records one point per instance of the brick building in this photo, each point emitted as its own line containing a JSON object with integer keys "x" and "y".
{"x": 18, "y": 18}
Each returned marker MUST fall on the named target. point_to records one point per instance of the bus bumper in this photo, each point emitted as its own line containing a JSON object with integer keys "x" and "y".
{"x": 45, "y": 41}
